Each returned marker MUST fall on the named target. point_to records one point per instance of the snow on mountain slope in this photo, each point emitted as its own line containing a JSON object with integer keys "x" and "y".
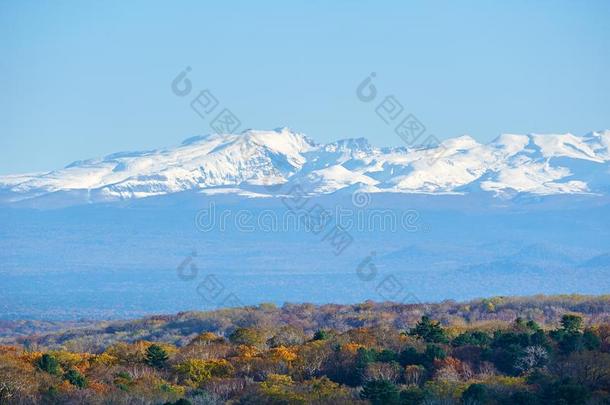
{"x": 565, "y": 145}
{"x": 511, "y": 164}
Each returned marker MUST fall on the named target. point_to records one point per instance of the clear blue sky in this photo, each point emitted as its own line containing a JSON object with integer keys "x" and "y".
{"x": 83, "y": 79}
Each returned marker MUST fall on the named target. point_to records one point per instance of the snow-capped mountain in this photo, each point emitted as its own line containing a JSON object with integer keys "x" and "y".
{"x": 254, "y": 163}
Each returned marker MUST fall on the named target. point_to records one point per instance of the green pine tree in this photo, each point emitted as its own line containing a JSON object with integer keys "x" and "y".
{"x": 156, "y": 356}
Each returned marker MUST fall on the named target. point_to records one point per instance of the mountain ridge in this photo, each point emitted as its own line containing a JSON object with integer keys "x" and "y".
{"x": 511, "y": 165}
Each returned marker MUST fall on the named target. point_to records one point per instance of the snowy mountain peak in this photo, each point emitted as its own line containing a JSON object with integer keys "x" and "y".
{"x": 512, "y": 164}
{"x": 463, "y": 142}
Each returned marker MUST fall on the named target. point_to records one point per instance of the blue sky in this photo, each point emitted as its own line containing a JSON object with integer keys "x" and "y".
{"x": 83, "y": 79}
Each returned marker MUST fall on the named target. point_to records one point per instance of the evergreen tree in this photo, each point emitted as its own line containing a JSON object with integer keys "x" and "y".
{"x": 156, "y": 357}
{"x": 380, "y": 392}
{"x": 430, "y": 331}
{"x": 476, "y": 394}
{"x": 49, "y": 364}
{"x": 571, "y": 323}
{"x": 321, "y": 335}
{"x": 74, "y": 377}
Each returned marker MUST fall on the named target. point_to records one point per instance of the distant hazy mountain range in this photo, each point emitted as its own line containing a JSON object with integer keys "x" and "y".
{"x": 250, "y": 163}
{"x": 524, "y": 214}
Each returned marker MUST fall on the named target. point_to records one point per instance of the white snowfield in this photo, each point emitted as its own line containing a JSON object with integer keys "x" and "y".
{"x": 251, "y": 162}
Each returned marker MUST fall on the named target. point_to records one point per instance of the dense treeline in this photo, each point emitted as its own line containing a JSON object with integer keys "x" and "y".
{"x": 439, "y": 358}
{"x": 14, "y": 328}
{"x": 519, "y": 363}
{"x": 181, "y": 328}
